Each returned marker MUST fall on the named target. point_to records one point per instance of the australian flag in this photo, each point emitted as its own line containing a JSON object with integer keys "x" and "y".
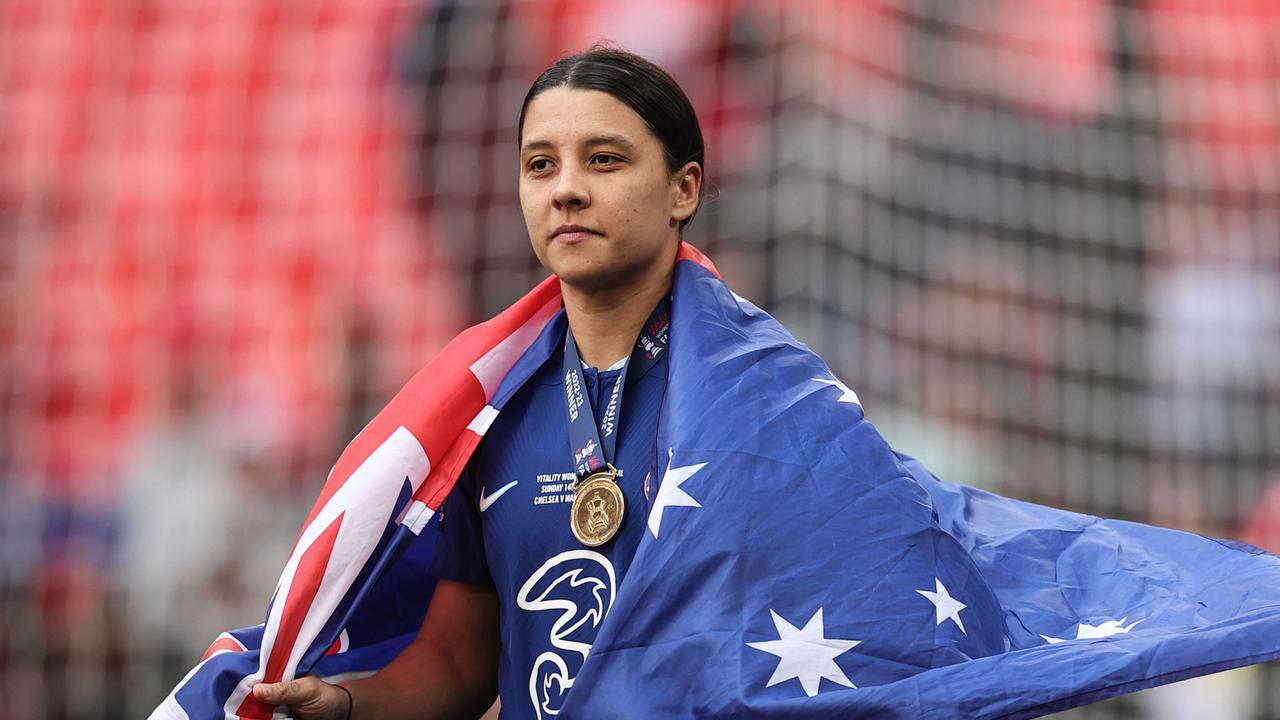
{"x": 793, "y": 564}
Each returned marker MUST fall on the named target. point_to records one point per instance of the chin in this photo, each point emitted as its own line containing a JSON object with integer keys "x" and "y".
{"x": 580, "y": 269}
{"x": 587, "y": 275}
{"x": 588, "y": 279}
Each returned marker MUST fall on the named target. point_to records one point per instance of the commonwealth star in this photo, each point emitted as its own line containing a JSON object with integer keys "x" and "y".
{"x": 805, "y": 654}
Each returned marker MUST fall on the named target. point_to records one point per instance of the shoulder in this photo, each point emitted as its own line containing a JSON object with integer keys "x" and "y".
{"x": 524, "y": 418}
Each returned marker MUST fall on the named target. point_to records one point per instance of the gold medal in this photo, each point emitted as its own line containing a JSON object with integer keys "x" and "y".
{"x": 597, "y": 508}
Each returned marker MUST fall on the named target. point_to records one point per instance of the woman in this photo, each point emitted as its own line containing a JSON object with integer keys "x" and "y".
{"x": 781, "y": 560}
{"x": 611, "y": 158}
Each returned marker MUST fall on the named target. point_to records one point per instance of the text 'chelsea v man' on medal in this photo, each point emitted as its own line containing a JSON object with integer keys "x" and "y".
{"x": 597, "y": 509}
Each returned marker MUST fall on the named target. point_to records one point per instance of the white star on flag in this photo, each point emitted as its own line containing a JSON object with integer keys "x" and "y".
{"x": 670, "y": 494}
{"x": 1094, "y": 632}
{"x": 846, "y": 395}
{"x": 805, "y": 654}
{"x": 945, "y": 606}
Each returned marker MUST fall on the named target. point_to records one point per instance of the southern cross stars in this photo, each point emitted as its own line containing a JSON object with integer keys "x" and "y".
{"x": 805, "y": 654}
{"x": 670, "y": 494}
{"x": 946, "y": 607}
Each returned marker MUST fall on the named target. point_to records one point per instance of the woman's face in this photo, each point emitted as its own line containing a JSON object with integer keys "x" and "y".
{"x": 601, "y": 206}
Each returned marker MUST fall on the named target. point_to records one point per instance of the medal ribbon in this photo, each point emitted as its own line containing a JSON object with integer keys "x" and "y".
{"x": 594, "y": 444}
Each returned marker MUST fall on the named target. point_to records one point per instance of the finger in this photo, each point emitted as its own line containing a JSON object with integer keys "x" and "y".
{"x": 268, "y": 692}
{"x": 277, "y": 693}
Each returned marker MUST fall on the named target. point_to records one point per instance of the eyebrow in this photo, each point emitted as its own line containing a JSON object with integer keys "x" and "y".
{"x": 593, "y": 141}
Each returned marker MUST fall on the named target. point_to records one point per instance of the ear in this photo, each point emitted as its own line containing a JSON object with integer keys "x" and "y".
{"x": 686, "y": 185}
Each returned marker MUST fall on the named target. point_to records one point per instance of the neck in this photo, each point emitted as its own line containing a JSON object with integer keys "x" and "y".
{"x": 606, "y": 321}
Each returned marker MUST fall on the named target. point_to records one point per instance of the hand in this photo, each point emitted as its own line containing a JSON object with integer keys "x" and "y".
{"x": 309, "y": 698}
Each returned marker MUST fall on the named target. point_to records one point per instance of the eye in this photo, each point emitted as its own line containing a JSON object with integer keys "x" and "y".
{"x": 539, "y": 165}
{"x": 606, "y": 160}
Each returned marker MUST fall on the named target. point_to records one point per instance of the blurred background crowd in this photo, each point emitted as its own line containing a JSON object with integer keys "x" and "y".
{"x": 1041, "y": 240}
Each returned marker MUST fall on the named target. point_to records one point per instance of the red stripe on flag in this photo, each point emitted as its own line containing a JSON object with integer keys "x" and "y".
{"x": 302, "y": 592}
{"x": 445, "y": 473}
{"x": 693, "y": 254}
{"x": 442, "y": 398}
{"x": 224, "y": 642}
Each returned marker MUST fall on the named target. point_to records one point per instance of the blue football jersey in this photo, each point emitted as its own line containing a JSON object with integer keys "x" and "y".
{"x": 506, "y": 524}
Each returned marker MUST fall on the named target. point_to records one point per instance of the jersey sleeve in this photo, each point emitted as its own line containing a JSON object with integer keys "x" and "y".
{"x": 460, "y": 553}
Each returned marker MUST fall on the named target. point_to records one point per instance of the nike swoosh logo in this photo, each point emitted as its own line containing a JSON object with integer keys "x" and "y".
{"x": 486, "y": 501}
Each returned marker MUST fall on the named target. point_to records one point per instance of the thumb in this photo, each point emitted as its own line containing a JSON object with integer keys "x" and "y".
{"x": 278, "y": 693}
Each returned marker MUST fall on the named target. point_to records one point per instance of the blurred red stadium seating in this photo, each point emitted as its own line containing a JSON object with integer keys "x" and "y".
{"x": 214, "y": 189}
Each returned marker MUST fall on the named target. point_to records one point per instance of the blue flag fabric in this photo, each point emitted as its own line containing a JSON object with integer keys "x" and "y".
{"x": 796, "y": 566}
{"x": 793, "y": 565}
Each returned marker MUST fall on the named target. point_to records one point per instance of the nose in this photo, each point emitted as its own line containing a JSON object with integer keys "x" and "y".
{"x": 570, "y": 191}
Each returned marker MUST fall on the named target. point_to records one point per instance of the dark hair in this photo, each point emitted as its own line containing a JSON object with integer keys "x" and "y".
{"x": 642, "y": 86}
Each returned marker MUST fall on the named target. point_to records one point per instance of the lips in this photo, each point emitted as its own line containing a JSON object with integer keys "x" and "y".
{"x": 573, "y": 234}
